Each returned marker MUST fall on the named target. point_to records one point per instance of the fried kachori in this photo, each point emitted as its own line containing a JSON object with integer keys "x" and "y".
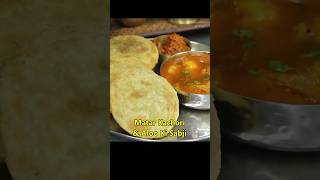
{"x": 137, "y": 93}
{"x": 133, "y": 49}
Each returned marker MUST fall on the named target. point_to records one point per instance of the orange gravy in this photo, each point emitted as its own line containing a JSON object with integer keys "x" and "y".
{"x": 268, "y": 50}
{"x": 188, "y": 73}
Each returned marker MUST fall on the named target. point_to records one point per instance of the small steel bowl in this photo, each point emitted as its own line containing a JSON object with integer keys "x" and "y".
{"x": 195, "y": 46}
{"x": 183, "y": 21}
{"x": 194, "y": 101}
{"x": 161, "y": 40}
{"x": 271, "y": 125}
{"x": 132, "y": 22}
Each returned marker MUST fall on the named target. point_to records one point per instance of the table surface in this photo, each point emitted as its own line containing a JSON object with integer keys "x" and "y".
{"x": 243, "y": 162}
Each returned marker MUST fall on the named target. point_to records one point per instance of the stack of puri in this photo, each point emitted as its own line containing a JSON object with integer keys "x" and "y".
{"x": 136, "y": 91}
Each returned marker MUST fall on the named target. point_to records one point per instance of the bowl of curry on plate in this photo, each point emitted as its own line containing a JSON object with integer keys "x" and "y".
{"x": 189, "y": 73}
{"x": 267, "y": 72}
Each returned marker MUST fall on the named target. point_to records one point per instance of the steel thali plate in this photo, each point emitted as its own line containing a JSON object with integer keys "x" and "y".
{"x": 197, "y": 122}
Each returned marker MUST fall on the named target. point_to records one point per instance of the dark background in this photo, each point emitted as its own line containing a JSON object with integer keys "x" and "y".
{"x": 243, "y": 162}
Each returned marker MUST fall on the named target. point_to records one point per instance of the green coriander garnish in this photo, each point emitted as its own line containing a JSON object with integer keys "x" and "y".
{"x": 185, "y": 72}
{"x": 243, "y": 34}
{"x": 313, "y": 53}
{"x": 206, "y": 77}
{"x": 254, "y": 72}
{"x": 278, "y": 66}
{"x": 249, "y": 45}
{"x": 196, "y": 82}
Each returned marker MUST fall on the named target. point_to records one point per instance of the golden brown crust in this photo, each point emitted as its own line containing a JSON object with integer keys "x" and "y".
{"x": 139, "y": 93}
{"x": 133, "y": 49}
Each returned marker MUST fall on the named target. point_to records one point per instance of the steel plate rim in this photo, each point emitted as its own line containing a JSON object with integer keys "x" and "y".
{"x": 252, "y": 99}
{"x": 156, "y": 140}
{"x": 129, "y": 137}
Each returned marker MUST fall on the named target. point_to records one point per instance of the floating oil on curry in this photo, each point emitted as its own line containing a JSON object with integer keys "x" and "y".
{"x": 188, "y": 72}
{"x": 268, "y": 50}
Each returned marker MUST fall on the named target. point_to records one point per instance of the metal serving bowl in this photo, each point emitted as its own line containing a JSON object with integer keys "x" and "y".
{"x": 194, "y": 101}
{"x": 271, "y": 125}
{"x": 163, "y": 39}
{"x": 195, "y": 46}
